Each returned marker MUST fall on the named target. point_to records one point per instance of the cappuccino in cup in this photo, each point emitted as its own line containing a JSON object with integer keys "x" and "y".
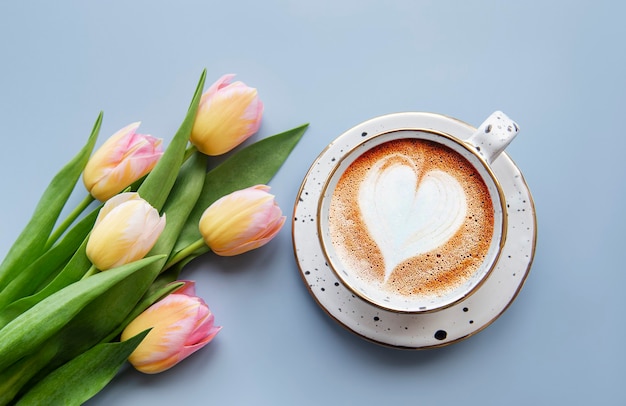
{"x": 412, "y": 220}
{"x": 412, "y": 216}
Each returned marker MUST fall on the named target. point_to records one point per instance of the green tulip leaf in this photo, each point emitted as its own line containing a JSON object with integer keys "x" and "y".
{"x": 31, "y": 243}
{"x": 78, "y": 265}
{"x": 30, "y": 279}
{"x": 33, "y": 327}
{"x": 157, "y": 185}
{"x": 181, "y": 202}
{"x": 256, "y": 164}
{"x": 81, "y": 378}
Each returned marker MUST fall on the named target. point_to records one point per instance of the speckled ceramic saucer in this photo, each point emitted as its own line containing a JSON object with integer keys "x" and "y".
{"x": 414, "y": 330}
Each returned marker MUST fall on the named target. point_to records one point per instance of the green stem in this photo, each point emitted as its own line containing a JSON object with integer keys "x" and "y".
{"x": 189, "y": 151}
{"x": 194, "y": 248}
{"x": 68, "y": 221}
{"x": 92, "y": 271}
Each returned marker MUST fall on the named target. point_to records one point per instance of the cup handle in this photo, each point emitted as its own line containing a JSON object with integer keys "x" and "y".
{"x": 493, "y": 135}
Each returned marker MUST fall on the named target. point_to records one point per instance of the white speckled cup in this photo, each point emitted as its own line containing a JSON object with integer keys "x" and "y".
{"x": 413, "y": 220}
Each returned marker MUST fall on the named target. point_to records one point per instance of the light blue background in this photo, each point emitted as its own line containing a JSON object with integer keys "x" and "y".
{"x": 556, "y": 67}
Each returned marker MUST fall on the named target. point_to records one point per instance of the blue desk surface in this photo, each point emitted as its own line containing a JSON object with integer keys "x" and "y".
{"x": 557, "y": 68}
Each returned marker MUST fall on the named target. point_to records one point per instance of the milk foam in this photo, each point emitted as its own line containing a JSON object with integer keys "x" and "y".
{"x": 408, "y": 212}
{"x": 412, "y": 218}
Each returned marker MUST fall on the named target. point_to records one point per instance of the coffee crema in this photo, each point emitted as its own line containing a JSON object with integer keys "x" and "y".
{"x": 412, "y": 217}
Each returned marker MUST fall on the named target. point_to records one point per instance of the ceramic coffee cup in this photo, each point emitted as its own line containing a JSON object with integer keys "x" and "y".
{"x": 413, "y": 219}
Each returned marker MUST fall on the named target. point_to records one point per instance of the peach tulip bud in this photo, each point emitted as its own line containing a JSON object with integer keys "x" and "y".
{"x": 241, "y": 221}
{"x": 127, "y": 228}
{"x": 120, "y": 161}
{"x": 228, "y": 114}
{"x": 181, "y": 324}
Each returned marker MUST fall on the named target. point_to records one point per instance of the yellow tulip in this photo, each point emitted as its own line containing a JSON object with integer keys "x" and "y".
{"x": 126, "y": 229}
{"x": 228, "y": 114}
{"x": 181, "y": 324}
{"x": 241, "y": 221}
{"x": 120, "y": 161}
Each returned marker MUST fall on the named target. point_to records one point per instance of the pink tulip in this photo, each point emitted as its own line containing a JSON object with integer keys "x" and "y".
{"x": 120, "y": 161}
{"x": 241, "y": 221}
{"x": 228, "y": 114}
{"x": 181, "y": 324}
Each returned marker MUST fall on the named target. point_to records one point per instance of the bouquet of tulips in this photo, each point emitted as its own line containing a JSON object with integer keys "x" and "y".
{"x": 82, "y": 295}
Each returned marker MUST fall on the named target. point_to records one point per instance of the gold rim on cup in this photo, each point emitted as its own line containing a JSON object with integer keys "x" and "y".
{"x": 476, "y": 159}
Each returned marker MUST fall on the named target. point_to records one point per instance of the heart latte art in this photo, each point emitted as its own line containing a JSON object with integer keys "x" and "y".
{"x": 418, "y": 212}
{"x": 411, "y": 216}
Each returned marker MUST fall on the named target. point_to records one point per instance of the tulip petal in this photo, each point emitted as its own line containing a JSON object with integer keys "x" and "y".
{"x": 181, "y": 325}
{"x": 219, "y": 84}
{"x": 228, "y": 114}
{"x": 126, "y": 229}
{"x": 241, "y": 221}
{"x": 188, "y": 288}
{"x": 114, "y": 202}
{"x": 190, "y": 349}
{"x": 125, "y": 157}
{"x": 171, "y": 320}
